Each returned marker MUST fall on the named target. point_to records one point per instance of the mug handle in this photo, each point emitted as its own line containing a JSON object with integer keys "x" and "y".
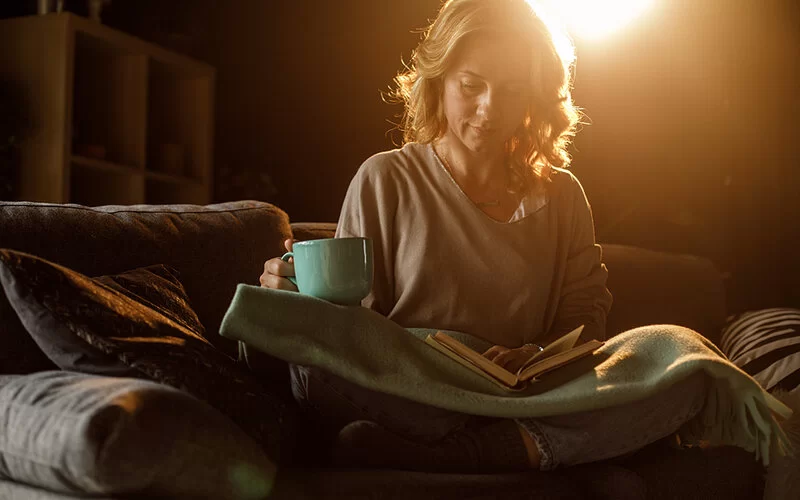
{"x": 285, "y": 257}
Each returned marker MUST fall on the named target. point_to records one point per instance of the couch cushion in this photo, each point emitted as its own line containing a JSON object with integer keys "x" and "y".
{"x": 720, "y": 472}
{"x": 97, "y": 329}
{"x": 766, "y": 344}
{"x": 651, "y": 287}
{"x": 387, "y": 484}
{"x": 156, "y": 288}
{"x": 76, "y": 433}
{"x": 213, "y": 247}
{"x": 11, "y": 490}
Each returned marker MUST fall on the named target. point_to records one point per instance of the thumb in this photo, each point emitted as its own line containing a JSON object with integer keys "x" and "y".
{"x": 288, "y": 244}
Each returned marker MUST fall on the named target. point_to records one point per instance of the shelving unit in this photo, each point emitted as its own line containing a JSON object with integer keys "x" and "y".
{"x": 117, "y": 120}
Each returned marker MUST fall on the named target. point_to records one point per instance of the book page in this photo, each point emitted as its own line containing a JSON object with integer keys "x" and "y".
{"x": 477, "y": 359}
{"x": 559, "y": 345}
{"x": 558, "y": 360}
{"x": 464, "y": 362}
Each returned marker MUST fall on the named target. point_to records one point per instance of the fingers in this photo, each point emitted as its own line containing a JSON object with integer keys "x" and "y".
{"x": 279, "y": 267}
{"x": 505, "y": 358}
{"x": 288, "y": 244}
{"x": 275, "y": 271}
{"x": 495, "y": 351}
{"x": 513, "y": 359}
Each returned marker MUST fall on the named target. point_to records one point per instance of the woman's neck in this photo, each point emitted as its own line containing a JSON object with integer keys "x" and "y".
{"x": 479, "y": 170}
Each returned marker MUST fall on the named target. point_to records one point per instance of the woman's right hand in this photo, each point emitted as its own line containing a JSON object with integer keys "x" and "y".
{"x": 276, "y": 270}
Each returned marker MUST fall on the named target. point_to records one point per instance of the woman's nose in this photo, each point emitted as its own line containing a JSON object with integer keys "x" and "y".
{"x": 486, "y": 105}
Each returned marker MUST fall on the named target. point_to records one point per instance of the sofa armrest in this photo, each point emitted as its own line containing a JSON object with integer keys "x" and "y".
{"x": 302, "y": 231}
{"x": 651, "y": 287}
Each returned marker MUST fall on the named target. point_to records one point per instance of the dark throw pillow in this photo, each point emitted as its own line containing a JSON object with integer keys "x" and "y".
{"x": 159, "y": 288}
{"x": 766, "y": 345}
{"x": 19, "y": 354}
{"x": 139, "y": 324}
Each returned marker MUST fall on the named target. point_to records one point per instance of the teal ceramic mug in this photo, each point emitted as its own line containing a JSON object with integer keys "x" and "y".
{"x": 338, "y": 270}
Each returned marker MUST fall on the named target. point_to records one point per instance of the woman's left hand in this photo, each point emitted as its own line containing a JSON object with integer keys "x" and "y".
{"x": 510, "y": 359}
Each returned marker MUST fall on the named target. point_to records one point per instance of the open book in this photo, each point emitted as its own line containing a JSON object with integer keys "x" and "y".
{"x": 557, "y": 354}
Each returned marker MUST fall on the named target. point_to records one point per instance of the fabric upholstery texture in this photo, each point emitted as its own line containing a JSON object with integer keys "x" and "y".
{"x": 651, "y": 287}
{"x": 303, "y": 231}
{"x": 783, "y": 475}
{"x": 97, "y": 329}
{"x": 403, "y": 485}
{"x": 671, "y": 473}
{"x": 213, "y": 247}
{"x": 11, "y": 490}
{"x": 19, "y": 353}
{"x": 76, "y": 433}
{"x": 766, "y": 344}
{"x": 156, "y": 287}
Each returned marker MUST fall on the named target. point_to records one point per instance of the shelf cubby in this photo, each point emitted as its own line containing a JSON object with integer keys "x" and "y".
{"x": 117, "y": 120}
{"x": 160, "y": 190}
{"x": 178, "y": 118}
{"x": 109, "y": 100}
{"x": 99, "y": 186}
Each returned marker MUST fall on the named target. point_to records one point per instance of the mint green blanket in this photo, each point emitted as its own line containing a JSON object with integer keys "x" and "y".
{"x": 365, "y": 348}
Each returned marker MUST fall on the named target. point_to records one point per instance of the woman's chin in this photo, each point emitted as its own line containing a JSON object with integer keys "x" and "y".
{"x": 483, "y": 147}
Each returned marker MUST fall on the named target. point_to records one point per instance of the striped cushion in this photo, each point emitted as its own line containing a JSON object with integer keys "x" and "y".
{"x": 766, "y": 344}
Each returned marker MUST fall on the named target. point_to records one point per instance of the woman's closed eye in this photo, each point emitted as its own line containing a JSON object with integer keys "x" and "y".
{"x": 470, "y": 86}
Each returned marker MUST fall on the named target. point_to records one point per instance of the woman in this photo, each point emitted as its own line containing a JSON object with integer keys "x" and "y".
{"x": 478, "y": 228}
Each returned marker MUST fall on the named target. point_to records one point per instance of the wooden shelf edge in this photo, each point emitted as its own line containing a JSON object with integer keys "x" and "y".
{"x": 119, "y": 39}
{"x": 132, "y": 42}
{"x": 106, "y": 166}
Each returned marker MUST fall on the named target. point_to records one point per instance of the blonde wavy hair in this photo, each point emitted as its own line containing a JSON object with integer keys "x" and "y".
{"x": 541, "y": 140}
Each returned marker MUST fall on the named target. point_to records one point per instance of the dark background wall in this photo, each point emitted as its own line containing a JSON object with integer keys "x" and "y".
{"x": 691, "y": 144}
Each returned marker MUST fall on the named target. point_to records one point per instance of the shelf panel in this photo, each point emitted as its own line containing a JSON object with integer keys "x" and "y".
{"x": 102, "y": 165}
{"x": 172, "y": 178}
{"x": 177, "y": 190}
{"x": 107, "y": 185}
{"x": 120, "y": 41}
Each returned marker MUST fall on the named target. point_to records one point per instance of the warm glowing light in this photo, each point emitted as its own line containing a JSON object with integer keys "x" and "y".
{"x": 594, "y": 18}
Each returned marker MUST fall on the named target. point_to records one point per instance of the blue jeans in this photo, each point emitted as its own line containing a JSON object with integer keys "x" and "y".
{"x": 562, "y": 440}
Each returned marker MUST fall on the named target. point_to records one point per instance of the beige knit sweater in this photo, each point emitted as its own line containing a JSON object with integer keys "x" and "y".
{"x": 440, "y": 262}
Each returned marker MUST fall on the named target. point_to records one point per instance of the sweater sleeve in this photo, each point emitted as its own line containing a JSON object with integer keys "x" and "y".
{"x": 584, "y": 298}
{"x": 368, "y": 210}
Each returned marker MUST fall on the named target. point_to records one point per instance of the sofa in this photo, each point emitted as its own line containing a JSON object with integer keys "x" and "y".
{"x": 206, "y": 251}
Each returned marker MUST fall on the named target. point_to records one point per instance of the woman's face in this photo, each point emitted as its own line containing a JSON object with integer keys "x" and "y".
{"x": 486, "y": 92}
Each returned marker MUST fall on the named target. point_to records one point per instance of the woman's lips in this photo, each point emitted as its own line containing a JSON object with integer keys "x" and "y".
{"x": 483, "y": 131}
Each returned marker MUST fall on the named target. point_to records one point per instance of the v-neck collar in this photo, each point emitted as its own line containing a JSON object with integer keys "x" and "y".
{"x": 533, "y": 200}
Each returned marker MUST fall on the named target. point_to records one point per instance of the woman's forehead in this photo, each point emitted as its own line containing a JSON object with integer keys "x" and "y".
{"x": 496, "y": 57}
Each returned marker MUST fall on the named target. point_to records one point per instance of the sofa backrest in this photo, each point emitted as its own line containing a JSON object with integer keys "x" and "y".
{"x": 649, "y": 287}
{"x": 213, "y": 247}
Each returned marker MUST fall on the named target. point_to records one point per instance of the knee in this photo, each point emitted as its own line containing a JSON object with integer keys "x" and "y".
{"x": 690, "y": 394}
